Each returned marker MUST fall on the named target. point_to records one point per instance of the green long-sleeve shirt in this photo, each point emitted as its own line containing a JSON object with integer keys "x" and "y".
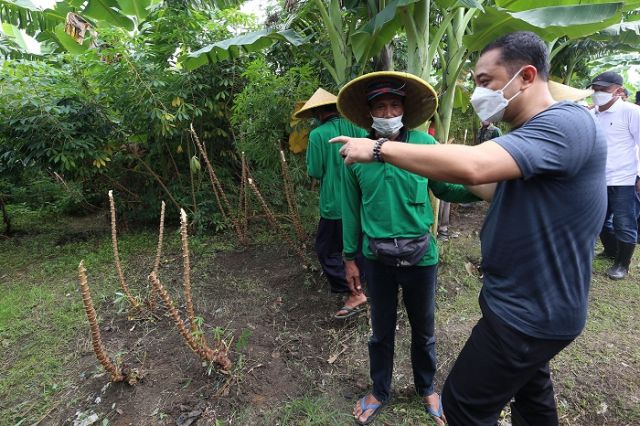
{"x": 380, "y": 200}
{"x": 325, "y": 164}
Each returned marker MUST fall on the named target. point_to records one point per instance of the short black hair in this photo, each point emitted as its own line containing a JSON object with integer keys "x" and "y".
{"x": 522, "y": 48}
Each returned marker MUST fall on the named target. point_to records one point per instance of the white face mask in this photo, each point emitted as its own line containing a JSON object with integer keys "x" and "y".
{"x": 387, "y": 126}
{"x": 490, "y": 104}
{"x": 601, "y": 98}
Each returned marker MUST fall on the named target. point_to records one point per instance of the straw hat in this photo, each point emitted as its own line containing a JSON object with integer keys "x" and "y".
{"x": 320, "y": 98}
{"x": 420, "y": 103}
{"x": 562, "y": 92}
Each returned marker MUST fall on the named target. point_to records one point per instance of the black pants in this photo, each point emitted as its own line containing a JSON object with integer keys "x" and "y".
{"x": 496, "y": 364}
{"x": 418, "y": 293}
{"x": 329, "y": 250}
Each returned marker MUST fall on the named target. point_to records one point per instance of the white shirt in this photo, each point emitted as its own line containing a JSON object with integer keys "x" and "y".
{"x": 621, "y": 125}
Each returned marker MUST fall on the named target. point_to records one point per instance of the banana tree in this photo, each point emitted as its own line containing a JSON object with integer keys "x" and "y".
{"x": 48, "y": 24}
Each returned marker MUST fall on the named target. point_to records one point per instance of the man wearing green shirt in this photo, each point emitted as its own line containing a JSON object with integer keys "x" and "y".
{"x": 325, "y": 164}
{"x": 390, "y": 207}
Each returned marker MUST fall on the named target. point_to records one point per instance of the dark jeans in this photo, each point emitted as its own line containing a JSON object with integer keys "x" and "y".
{"x": 496, "y": 364}
{"x": 418, "y": 293}
{"x": 621, "y": 213}
{"x": 638, "y": 208}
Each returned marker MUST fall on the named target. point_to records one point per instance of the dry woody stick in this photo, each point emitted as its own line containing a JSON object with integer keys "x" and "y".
{"x": 288, "y": 191}
{"x": 116, "y": 255}
{"x": 98, "y": 348}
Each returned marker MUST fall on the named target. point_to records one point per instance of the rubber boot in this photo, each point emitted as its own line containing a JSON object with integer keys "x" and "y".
{"x": 620, "y": 267}
{"x": 609, "y": 242}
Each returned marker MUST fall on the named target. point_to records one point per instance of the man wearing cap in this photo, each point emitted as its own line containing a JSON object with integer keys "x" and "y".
{"x": 620, "y": 122}
{"x": 546, "y": 180}
{"x": 324, "y": 163}
{"x": 390, "y": 208}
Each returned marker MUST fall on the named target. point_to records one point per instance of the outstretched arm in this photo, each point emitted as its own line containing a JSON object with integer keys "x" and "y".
{"x": 469, "y": 165}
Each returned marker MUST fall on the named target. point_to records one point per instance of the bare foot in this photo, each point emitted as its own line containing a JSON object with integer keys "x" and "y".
{"x": 352, "y": 301}
{"x": 433, "y": 402}
{"x": 365, "y": 416}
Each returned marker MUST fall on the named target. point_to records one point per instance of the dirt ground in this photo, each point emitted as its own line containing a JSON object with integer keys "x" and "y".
{"x": 285, "y": 345}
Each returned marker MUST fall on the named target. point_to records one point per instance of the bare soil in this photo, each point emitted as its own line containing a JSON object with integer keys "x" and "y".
{"x": 294, "y": 346}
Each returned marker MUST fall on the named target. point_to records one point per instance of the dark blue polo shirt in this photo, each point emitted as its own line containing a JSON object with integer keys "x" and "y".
{"x": 539, "y": 234}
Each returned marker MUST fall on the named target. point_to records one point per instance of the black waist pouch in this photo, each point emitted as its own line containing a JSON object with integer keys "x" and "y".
{"x": 400, "y": 251}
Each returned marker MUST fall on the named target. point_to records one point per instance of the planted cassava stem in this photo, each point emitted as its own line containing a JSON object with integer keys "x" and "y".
{"x": 273, "y": 222}
{"x": 289, "y": 194}
{"x": 96, "y": 340}
{"x": 217, "y": 187}
{"x": 116, "y": 255}
{"x": 205, "y": 353}
{"x": 151, "y": 300}
{"x": 242, "y": 198}
{"x": 186, "y": 271}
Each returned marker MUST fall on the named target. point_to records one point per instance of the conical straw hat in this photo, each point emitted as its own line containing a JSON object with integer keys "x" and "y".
{"x": 320, "y": 98}
{"x": 420, "y": 101}
{"x": 562, "y": 92}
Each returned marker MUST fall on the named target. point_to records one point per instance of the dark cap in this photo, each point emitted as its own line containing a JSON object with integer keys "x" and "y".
{"x": 383, "y": 87}
{"x": 607, "y": 79}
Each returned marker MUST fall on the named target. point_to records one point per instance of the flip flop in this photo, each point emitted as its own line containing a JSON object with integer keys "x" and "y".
{"x": 375, "y": 406}
{"x": 436, "y": 414}
{"x": 351, "y": 311}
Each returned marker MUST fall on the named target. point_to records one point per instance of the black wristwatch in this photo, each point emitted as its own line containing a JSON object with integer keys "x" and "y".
{"x": 376, "y": 149}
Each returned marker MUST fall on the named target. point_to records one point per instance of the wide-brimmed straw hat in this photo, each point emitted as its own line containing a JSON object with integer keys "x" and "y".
{"x": 320, "y": 98}
{"x": 420, "y": 101}
{"x": 562, "y": 92}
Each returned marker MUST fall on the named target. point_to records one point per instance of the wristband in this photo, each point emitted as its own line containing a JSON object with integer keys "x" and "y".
{"x": 377, "y": 155}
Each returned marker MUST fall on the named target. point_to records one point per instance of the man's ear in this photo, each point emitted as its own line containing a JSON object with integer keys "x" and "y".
{"x": 528, "y": 74}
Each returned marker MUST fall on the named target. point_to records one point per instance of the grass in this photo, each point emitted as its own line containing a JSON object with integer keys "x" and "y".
{"x": 43, "y": 329}
{"x": 41, "y": 313}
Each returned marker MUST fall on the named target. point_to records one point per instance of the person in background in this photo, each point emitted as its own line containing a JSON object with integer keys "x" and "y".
{"x": 546, "y": 180}
{"x": 620, "y": 122}
{"x": 487, "y": 132}
{"x": 324, "y": 163}
{"x": 390, "y": 207}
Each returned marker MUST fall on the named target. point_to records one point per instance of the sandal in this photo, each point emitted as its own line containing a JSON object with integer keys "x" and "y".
{"x": 438, "y": 415}
{"x": 375, "y": 406}
{"x": 351, "y": 311}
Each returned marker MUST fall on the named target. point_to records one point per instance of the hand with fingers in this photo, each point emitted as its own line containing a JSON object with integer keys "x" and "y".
{"x": 355, "y": 150}
{"x": 352, "y": 275}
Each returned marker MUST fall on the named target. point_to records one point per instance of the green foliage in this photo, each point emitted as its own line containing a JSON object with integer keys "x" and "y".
{"x": 262, "y": 111}
{"x": 116, "y": 117}
{"x": 261, "y": 119}
{"x": 51, "y": 121}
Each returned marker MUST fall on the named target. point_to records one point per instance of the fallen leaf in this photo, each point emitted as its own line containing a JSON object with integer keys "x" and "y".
{"x": 186, "y": 419}
{"x": 603, "y": 408}
{"x": 335, "y": 356}
{"x": 468, "y": 266}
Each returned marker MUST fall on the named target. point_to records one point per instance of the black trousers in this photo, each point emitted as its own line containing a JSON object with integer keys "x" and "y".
{"x": 418, "y": 294}
{"x": 496, "y": 364}
{"x": 329, "y": 250}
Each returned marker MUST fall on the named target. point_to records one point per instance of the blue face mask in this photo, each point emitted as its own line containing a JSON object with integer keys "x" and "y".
{"x": 386, "y": 127}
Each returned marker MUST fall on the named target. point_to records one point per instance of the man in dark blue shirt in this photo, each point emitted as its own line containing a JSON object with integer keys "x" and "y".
{"x": 546, "y": 180}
